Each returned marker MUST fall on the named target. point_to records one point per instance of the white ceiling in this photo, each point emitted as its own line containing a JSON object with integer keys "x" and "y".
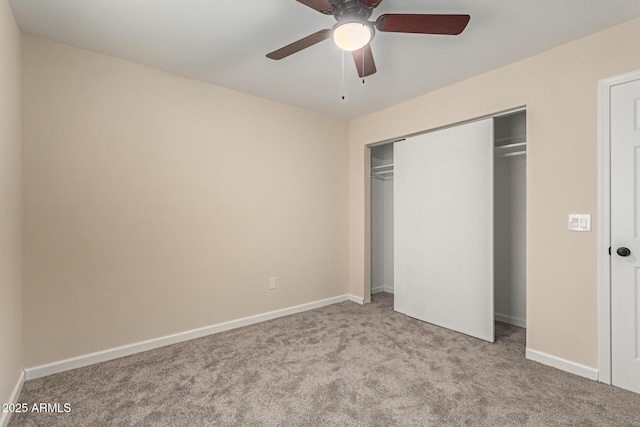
{"x": 225, "y": 43}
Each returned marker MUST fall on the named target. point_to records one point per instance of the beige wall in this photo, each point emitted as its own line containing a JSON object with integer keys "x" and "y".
{"x": 10, "y": 203}
{"x": 559, "y": 88}
{"x": 156, "y": 204}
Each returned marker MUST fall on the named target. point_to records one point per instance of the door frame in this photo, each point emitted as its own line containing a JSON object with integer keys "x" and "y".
{"x": 604, "y": 220}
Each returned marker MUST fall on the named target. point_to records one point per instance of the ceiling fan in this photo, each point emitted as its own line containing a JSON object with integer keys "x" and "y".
{"x": 353, "y": 31}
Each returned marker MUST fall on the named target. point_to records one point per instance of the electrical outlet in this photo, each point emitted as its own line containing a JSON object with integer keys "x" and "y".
{"x": 272, "y": 283}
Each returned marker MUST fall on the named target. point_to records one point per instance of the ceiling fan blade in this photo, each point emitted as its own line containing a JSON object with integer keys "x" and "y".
{"x": 423, "y": 24}
{"x": 364, "y": 61}
{"x": 300, "y": 44}
{"x": 322, "y": 6}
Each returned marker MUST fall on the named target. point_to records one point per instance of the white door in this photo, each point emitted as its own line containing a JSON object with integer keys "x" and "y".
{"x": 443, "y": 228}
{"x": 625, "y": 233}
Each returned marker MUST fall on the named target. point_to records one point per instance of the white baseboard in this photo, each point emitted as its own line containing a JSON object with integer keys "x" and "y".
{"x": 127, "y": 350}
{"x": 379, "y": 289}
{"x": 357, "y": 300}
{"x": 562, "y": 364}
{"x": 13, "y": 398}
{"x": 510, "y": 320}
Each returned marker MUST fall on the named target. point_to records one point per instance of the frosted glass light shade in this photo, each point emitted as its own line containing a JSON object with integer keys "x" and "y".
{"x": 352, "y": 36}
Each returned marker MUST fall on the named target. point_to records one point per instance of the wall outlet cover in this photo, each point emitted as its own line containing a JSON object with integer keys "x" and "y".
{"x": 579, "y": 222}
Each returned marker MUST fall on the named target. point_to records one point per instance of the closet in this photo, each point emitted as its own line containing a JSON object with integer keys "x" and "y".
{"x": 449, "y": 208}
{"x": 382, "y": 219}
{"x": 510, "y": 203}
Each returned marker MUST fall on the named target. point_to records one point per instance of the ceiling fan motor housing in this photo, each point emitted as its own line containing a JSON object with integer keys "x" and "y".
{"x": 353, "y": 9}
{"x": 369, "y": 4}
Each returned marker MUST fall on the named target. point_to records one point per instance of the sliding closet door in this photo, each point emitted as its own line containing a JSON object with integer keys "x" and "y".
{"x": 443, "y": 228}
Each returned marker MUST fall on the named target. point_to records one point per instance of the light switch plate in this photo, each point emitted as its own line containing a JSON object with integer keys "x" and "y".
{"x": 579, "y": 222}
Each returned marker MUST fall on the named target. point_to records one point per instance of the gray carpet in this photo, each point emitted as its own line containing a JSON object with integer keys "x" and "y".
{"x": 340, "y": 365}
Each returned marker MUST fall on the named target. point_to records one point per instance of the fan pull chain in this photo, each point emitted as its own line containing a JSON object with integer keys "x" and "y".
{"x": 363, "y": 65}
{"x": 363, "y": 72}
{"x": 342, "y": 89}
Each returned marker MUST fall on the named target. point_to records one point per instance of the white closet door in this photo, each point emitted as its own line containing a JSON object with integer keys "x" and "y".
{"x": 443, "y": 223}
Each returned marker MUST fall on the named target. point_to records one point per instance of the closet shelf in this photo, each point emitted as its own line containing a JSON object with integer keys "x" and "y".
{"x": 382, "y": 172}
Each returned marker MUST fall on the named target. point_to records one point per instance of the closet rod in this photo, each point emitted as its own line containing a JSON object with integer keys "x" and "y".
{"x": 515, "y": 153}
{"x": 382, "y": 174}
{"x": 517, "y": 144}
{"x": 382, "y": 167}
{"x": 510, "y": 138}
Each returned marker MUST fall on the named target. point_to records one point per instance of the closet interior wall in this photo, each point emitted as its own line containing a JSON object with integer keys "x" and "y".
{"x": 510, "y": 218}
{"x": 382, "y": 218}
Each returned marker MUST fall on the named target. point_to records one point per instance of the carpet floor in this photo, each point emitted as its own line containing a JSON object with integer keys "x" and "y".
{"x": 340, "y": 365}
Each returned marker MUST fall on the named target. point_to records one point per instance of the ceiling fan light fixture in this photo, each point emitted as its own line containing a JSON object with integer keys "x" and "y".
{"x": 352, "y": 35}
